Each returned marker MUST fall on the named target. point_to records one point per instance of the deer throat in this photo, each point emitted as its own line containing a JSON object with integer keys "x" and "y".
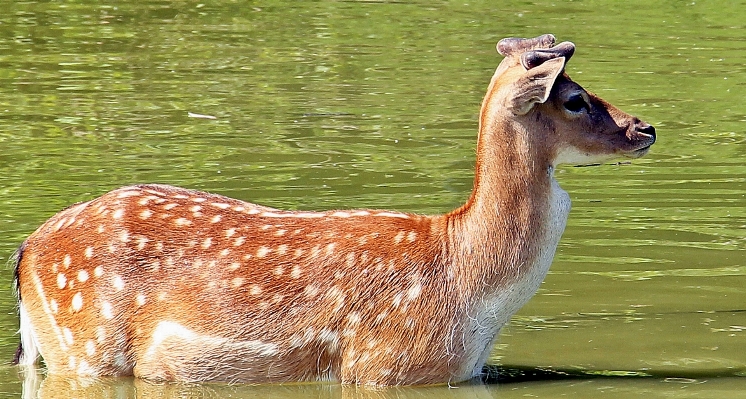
{"x": 495, "y": 307}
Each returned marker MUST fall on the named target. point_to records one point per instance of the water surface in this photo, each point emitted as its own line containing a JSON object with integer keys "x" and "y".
{"x": 333, "y": 104}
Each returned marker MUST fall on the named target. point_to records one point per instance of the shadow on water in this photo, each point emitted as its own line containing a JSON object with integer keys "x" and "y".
{"x": 512, "y": 374}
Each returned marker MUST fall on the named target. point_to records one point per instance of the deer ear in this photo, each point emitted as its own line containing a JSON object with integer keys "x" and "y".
{"x": 535, "y": 85}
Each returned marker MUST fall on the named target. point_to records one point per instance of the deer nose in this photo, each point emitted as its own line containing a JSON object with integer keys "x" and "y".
{"x": 647, "y": 129}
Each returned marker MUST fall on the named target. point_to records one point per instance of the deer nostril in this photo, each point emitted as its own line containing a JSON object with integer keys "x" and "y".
{"x": 647, "y": 129}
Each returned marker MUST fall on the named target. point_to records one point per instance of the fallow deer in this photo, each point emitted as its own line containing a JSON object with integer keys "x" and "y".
{"x": 166, "y": 283}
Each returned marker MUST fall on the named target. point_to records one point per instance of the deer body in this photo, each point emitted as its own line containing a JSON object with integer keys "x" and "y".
{"x": 173, "y": 284}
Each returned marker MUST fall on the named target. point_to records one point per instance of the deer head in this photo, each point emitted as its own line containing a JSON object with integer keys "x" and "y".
{"x": 532, "y": 91}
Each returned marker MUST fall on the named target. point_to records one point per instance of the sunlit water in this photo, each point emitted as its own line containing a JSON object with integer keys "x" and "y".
{"x": 374, "y": 104}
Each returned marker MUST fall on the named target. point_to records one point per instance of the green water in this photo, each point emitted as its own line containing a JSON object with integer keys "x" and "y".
{"x": 322, "y": 105}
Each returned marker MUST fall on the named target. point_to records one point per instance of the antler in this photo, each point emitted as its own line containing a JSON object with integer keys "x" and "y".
{"x": 535, "y": 58}
{"x": 536, "y": 51}
{"x": 512, "y": 45}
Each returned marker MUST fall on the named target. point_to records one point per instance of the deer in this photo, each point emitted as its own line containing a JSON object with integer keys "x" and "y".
{"x": 172, "y": 284}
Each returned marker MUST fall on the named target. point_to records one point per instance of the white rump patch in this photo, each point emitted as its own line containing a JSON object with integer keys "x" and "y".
{"x": 28, "y": 339}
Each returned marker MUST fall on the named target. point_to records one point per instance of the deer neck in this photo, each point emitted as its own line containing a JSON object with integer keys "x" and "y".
{"x": 509, "y": 229}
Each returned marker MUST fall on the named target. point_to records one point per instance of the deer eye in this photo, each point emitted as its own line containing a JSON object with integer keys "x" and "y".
{"x": 576, "y": 103}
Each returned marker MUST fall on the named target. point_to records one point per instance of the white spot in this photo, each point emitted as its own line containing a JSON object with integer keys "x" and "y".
{"x": 315, "y": 251}
{"x": 411, "y": 236}
{"x": 330, "y": 248}
{"x": 255, "y": 290}
{"x": 414, "y": 291}
{"x": 262, "y": 252}
{"x": 59, "y": 224}
{"x": 216, "y": 219}
{"x": 311, "y": 290}
{"x": 89, "y": 252}
{"x": 107, "y": 311}
{"x": 182, "y": 222}
{"x": 239, "y": 241}
{"x": 282, "y": 249}
{"x": 68, "y": 335}
{"x": 230, "y": 232}
{"x": 140, "y": 299}
{"x": 118, "y": 283}
{"x": 295, "y": 272}
{"x": 330, "y": 338}
{"x": 354, "y": 317}
{"x": 279, "y": 270}
{"x": 141, "y": 242}
{"x": 98, "y": 271}
{"x": 220, "y": 205}
{"x": 145, "y": 214}
{"x": 85, "y": 369}
{"x": 280, "y": 232}
{"x": 124, "y": 237}
{"x": 234, "y": 266}
{"x": 350, "y": 259}
{"x": 225, "y": 252}
{"x": 61, "y": 280}
{"x": 53, "y": 306}
{"x": 341, "y": 214}
{"x": 82, "y": 276}
{"x": 154, "y": 192}
{"x": 237, "y": 282}
{"x": 199, "y": 199}
{"x": 90, "y": 348}
{"x": 397, "y": 300}
{"x": 399, "y": 237}
{"x": 129, "y": 193}
{"x": 207, "y": 243}
{"x": 66, "y": 262}
{"x": 101, "y": 229}
{"x": 100, "y": 334}
{"x": 170, "y": 206}
{"x": 239, "y": 208}
{"x": 118, "y": 214}
{"x": 195, "y": 208}
{"x": 71, "y": 362}
{"x": 391, "y": 215}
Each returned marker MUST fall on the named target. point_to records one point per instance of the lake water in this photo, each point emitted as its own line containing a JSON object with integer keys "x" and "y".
{"x": 340, "y": 104}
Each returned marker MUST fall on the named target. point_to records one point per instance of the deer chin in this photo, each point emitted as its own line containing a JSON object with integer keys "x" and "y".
{"x": 642, "y": 148}
{"x": 570, "y": 155}
{"x": 638, "y": 153}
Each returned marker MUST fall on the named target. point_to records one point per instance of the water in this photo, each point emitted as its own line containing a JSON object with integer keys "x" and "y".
{"x": 373, "y": 104}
